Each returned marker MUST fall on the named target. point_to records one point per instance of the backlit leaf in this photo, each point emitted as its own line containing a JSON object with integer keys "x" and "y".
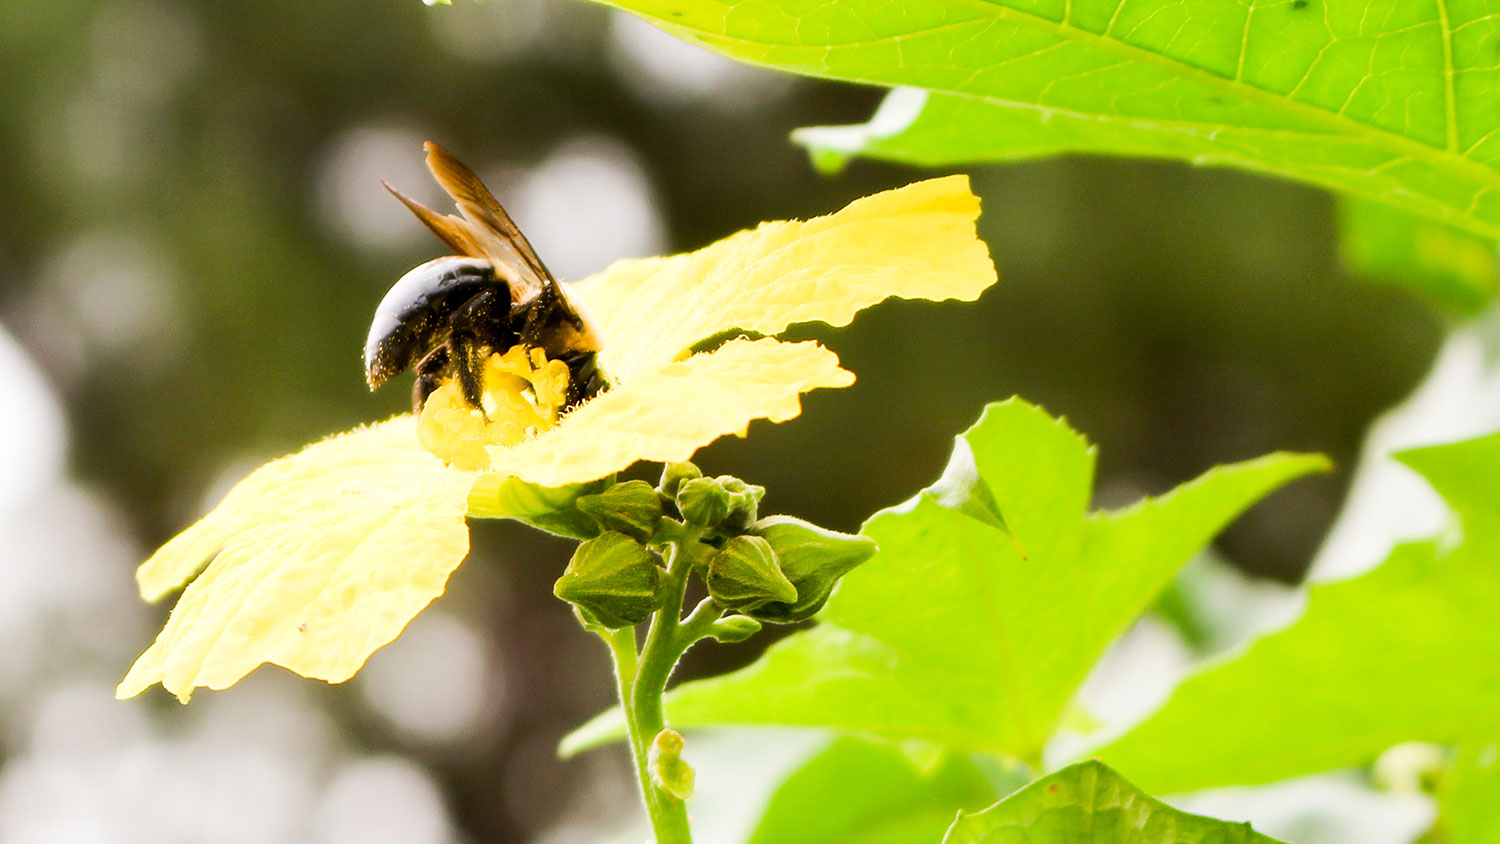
{"x": 949, "y": 634}
{"x": 1088, "y": 803}
{"x": 1407, "y": 652}
{"x": 1391, "y": 100}
{"x": 859, "y": 792}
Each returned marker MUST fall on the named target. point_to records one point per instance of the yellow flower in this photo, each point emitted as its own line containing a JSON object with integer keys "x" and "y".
{"x": 317, "y": 559}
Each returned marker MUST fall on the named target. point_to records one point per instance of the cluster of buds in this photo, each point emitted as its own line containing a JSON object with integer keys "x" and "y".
{"x": 776, "y": 569}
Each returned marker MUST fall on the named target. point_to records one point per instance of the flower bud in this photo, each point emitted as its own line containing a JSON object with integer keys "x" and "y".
{"x": 703, "y": 502}
{"x": 723, "y": 502}
{"x": 631, "y": 508}
{"x": 734, "y": 628}
{"x": 496, "y": 496}
{"x": 673, "y": 475}
{"x": 744, "y": 501}
{"x": 613, "y": 579}
{"x": 669, "y": 771}
{"x": 744, "y": 575}
{"x": 813, "y": 559}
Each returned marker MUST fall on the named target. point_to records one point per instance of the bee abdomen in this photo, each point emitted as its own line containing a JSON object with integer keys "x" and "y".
{"x": 415, "y": 316}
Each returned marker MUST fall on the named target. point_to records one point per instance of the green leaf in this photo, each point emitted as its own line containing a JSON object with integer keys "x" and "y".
{"x": 860, "y": 792}
{"x": 1088, "y": 803}
{"x": 1448, "y": 267}
{"x": 949, "y": 634}
{"x": 1469, "y": 796}
{"x": 1391, "y": 100}
{"x": 1407, "y": 652}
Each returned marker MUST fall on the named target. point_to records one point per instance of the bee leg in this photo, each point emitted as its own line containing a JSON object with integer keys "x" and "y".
{"x": 468, "y": 367}
{"x": 430, "y": 372}
{"x": 585, "y": 380}
{"x": 481, "y": 317}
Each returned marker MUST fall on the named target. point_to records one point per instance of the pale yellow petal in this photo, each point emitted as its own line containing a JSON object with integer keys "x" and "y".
{"x": 318, "y": 559}
{"x": 916, "y": 242}
{"x": 667, "y": 414}
{"x": 261, "y": 496}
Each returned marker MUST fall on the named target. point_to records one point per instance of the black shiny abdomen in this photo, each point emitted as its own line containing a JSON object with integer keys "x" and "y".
{"x": 417, "y": 314}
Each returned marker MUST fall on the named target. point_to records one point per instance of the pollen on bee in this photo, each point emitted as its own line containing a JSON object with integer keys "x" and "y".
{"x": 524, "y": 394}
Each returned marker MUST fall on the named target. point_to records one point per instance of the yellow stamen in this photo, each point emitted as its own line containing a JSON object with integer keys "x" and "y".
{"x": 523, "y": 395}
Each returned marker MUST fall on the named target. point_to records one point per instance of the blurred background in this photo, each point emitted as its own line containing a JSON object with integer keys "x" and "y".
{"x": 193, "y": 242}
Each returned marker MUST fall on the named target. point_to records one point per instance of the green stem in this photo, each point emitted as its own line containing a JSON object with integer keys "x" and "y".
{"x": 642, "y": 679}
{"x": 622, "y": 649}
{"x": 643, "y": 708}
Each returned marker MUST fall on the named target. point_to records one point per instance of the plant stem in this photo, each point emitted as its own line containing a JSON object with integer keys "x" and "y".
{"x": 622, "y": 648}
{"x": 643, "y": 680}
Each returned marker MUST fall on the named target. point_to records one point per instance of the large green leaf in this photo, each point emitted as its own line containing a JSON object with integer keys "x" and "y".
{"x": 966, "y": 634}
{"x": 1088, "y": 803}
{"x": 1392, "y": 100}
{"x": 860, "y": 792}
{"x": 1407, "y": 652}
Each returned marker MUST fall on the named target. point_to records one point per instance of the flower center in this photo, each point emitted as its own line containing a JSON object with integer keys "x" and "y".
{"x": 523, "y": 395}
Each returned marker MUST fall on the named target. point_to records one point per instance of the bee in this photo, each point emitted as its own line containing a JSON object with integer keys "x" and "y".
{"x": 447, "y": 316}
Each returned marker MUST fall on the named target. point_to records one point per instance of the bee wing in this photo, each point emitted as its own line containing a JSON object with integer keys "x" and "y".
{"x": 487, "y": 224}
{"x": 449, "y": 229}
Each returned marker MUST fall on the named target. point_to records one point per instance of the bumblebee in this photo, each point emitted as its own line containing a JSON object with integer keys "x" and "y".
{"x": 447, "y": 316}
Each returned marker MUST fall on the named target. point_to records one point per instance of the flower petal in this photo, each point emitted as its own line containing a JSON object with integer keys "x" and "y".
{"x": 667, "y": 414}
{"x": 912, "y": 242}
{"x": 318, "y": 559}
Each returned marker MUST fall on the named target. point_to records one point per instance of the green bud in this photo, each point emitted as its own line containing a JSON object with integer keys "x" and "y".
{"x": 734, "y": 628}
{"x": 613, "y": 579}
{"x": 496, "y": 496}
{"x": 631, "y": 508}
{"x": 723, "y": 502}
{"x": 744, "y": 575}
{"x": 703, "y": 502}
{"x": 672, "y": 476}
{"x": 744, "y": 501}
{"x": 813, "y": 559}
{"x": 669, "y": 771}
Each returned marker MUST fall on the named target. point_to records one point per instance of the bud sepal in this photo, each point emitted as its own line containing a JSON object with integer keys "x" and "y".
{"x": 613, "y": 579}
{"x": 745, "y": 575}
{"x": 812, "y": 559}
{"x": 632, "y": 508}
{"x": 552, "y": 509}
{"x": 725, "y": 503}
{"x": 673, "y": 475}
{"x": 703, "y": 502}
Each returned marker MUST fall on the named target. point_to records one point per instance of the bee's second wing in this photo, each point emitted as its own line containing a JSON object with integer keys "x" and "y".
{"x": 449, "y": 229}
{"x": 495, "y": 233}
